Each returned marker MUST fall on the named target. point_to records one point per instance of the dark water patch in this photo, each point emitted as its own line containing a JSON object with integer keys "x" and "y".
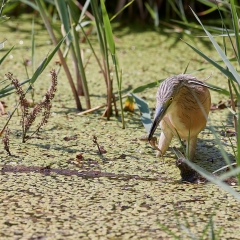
{"x": 67, "y": 172}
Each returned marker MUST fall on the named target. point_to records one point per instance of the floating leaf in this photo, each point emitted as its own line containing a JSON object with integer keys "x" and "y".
{"x": 145, "y": 112}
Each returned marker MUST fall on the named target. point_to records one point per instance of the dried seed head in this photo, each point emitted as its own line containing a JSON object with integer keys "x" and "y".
{"x": 32, "y": 116}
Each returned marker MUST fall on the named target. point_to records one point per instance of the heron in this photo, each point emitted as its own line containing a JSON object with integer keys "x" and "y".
{"x": 182, "y": 108}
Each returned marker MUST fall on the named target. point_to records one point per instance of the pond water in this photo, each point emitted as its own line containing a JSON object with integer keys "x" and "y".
{"x": 57, "y": 186}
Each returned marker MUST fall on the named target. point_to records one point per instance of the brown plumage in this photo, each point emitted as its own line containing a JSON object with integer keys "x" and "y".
{"x": 183, "y": 104}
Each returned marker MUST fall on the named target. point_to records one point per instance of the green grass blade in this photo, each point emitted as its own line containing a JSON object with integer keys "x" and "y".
{"x": 236, "y": 28}
{"x": 38, "y": 71}
{"x": 6, "y": 94}
{"x": 63, "y": 13}
{"x": 119, "y": 82}
{"x": 77, "y": 49}
{"x": 50, "y": 56}
{"x": 218, "y": 89}
{"x": 220, "y": 52}
{"x": 147, "y": 86}
{"x": 153, "y": 12}
{"x": 114, "y": 16}
{"x": 169, "y": 231}
{"x": 212, "y": 4}
{"x": 204, "y": 232}
{"x": 4, "y": 91}
{"x": 98, "y": 21}
{"x": 210, "y": 10}
{"x": 231, "y": 173}
{"x": 196, "y": 26}
{"x": 214, "y": 63}
{"x": 1, "y": 8}
{"x": 181, "y": 8}
{"x": 6, "y": 54}
{"x": 186, "y": 68}
{"x": 174, "y": 7}
{"x": 33, "y": 47}
{"x": 228, "y": 34}
{"x": 75, "y": 12}
{"x": 238, "y": 142}
{"x": 45, "y": 62}
{"x": 156, "y": 20}
{"x": 92, "y": 49}
{"x": 235, "y": 89}
{"x": 179, "y": 140}
{"x": 150, "y": 10}
{"x": 213, "y": 179}
{"x": 103, "y": 42}
{"x": 85, "y": 7}
{"x": 108, "y": 29}
{"x": 220, "y": 35}
{"x": 31, "y": 4}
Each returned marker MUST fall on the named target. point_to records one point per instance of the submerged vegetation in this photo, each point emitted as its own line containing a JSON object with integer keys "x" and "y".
{"x": 101, "y": 154}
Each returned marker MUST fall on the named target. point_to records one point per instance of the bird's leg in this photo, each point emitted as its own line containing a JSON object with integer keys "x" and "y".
{"x": 164, "y": 141}
{"x": 191, "y": 147}
{"x": 187, "y": 173}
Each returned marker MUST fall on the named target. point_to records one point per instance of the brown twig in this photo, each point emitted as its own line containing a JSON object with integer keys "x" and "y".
{"x": 95, "y": 141}
{"x": 115, "y": 105}
{"x": 98, "y": 107}
{"x": 5, "y": 141}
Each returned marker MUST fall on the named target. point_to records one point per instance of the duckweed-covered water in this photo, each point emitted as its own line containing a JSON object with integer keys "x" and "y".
{"x": 57, "y": 186}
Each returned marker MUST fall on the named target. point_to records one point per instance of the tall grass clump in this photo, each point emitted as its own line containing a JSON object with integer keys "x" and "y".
{"x": 74, "y": 18}
{"x": 15, "y": 86}
{"x": 62, "y": 8}
{"x": 107, "y": 45}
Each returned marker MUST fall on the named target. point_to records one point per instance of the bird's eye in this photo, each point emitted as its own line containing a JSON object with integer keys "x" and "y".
{"x": 170, "y": 99}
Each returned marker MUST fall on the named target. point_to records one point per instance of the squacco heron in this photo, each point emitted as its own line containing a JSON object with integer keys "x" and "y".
{"x": 183, "y": 104}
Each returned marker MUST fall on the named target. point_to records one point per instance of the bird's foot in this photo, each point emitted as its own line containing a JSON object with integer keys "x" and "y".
{"x": 153, "y": 143}
{"x": 188, "y": 174}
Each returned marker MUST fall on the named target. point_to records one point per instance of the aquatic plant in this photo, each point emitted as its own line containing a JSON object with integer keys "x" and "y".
{"x": 27, "y": 119}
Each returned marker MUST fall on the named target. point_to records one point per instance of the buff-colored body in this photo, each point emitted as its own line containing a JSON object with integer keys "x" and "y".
{"x": 187, "y": 113}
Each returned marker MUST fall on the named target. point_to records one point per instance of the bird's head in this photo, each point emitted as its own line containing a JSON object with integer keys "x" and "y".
{"x": 165, "y": 96}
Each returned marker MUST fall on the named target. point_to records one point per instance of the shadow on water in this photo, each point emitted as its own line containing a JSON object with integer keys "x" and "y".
{"x": 83, "y": 174}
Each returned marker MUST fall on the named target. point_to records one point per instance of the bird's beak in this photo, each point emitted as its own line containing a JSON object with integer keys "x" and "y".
{"x": 160, "y": 112}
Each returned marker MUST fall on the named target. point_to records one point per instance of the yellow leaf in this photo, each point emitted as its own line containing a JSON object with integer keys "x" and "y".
{"x": 129, "y": 104}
